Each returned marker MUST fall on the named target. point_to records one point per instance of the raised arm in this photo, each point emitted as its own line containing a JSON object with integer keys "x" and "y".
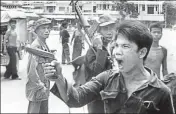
{"x": 96, "y": 62}
{"x": 164, "y": 62}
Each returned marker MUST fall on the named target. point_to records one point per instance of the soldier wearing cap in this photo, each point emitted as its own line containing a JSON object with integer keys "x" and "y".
{"x": 96, "y": 59}
{"x": 31, "y": 33}
{"x": 37, "y": 86}
{"x": 98, "y": 62}
{"x": 107, "y": 30}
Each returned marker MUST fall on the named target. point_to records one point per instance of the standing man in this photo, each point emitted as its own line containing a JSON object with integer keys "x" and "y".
{"x": 131, "y": 89}
{"x": 78, "y": 42}
{"x": 65, "y": 40}
{"x": 96, "y": 59}
{"x": 37, "y": 86}
{"x": 31, "y": 34}
{"x": 11, "y": 39}
{"x": 158, "y": 54}
{"x": 98, "y": 62}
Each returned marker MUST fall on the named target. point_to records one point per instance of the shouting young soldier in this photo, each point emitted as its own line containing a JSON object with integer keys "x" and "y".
{"x": 132, "y": 88}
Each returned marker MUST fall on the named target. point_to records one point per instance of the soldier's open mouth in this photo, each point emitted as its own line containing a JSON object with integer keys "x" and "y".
{"x": 120, "y": 63}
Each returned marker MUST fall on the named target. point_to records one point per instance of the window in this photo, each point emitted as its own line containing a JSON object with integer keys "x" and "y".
{"x": 50, "y": 9}
{"x": 143, "y": 7}
{"x": 73, "y": 9}
{"x": 157, "y": 7}
{"x": 61, "y": 8}
{"x": 150, "y": 10}
{"x": 94, "y": 9}
{"x": 104, "y": 6}
{"x": 87, "y": 10}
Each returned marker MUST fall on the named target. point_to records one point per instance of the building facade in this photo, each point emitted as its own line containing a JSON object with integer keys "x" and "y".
{"x": 149, "y": 10}
{"x": 11, "y": 5}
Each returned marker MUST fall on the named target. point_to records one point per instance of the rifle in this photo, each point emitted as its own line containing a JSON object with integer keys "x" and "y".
{"x": 85, "y": 24}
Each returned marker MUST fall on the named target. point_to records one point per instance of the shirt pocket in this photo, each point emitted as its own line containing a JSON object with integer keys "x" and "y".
{"x": 110, "y": 101}
{"x": 148, "y": 107}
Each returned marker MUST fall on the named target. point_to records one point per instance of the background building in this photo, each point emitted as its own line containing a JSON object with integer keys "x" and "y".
{"x": 148, "y": 11}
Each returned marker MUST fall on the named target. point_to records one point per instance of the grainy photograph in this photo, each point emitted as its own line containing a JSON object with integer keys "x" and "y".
{"x": 94, "y": 56}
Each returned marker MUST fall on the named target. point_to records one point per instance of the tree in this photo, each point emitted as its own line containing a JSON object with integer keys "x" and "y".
{"x": 125, "y": 8}
{"x": 169, "y": 11}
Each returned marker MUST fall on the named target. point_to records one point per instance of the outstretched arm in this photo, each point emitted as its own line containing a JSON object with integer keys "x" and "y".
{"x": 75, "y": 97}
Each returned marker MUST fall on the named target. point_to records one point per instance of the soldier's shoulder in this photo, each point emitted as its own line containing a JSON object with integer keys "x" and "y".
{"x": 35, "y": 44}
{"x": 112, "y": 73}
{"x": 108, "y": 74}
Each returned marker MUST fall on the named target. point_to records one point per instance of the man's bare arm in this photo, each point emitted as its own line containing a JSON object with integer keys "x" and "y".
{"x": 164, "y": 63}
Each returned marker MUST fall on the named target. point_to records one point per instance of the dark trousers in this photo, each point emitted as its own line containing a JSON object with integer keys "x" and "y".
{"x": 65, "y": 53}
{"x": 38, "y": 107}
{"x": 77, "y": 50}
{"x": 11, "y": 68}
{"x": 174, "y": 101}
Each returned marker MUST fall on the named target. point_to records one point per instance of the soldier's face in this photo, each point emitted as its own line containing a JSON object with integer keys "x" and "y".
{"x": 43, "y": 31}
{"x": 107, "y": 32}
{"x": 126, "y": 54}
{"x": 13, "y": 25}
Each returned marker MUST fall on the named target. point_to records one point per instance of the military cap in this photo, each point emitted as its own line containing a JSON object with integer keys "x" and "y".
{"x": 30, "y": 23}
{"x": 42, "y": 21}
{"x": 106, "y": 20}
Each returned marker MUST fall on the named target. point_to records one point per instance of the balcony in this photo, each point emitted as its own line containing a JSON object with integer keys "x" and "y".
{"x": 148, "y": 17}
{"x": 50, "y": 4}
{"x": 106, "y": 12}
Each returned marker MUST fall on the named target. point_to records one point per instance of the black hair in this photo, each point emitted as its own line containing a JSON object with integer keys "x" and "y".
{"x": 12, "y": 20}
{"x": 64, "y": 24}
{"x": 136, "y": 32}
{"x": 156, "y": 25}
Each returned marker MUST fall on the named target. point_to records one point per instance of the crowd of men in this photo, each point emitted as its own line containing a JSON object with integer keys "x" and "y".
{"x": 131, "y": 86}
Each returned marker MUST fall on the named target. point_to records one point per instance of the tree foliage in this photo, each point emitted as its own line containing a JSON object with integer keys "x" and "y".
{"x": 169, "y": 10}
{"x": 125, "y": 8}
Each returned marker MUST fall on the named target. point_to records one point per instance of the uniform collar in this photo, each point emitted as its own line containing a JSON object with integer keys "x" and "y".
{"x": 43, "y": 45}
{"x": 153, "y": 81}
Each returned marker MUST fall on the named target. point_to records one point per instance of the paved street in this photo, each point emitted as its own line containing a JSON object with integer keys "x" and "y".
{"x": 13, "y": 98}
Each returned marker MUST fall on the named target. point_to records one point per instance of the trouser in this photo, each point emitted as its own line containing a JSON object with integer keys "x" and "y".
{"x": 65, "y": 53}
{"x": 96, "y": 107}
{"x": 11, "y": 68}
{"x": 77, "y": 50}
{"x": 38, "y": 107}
{"x": 174, "y": 101}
